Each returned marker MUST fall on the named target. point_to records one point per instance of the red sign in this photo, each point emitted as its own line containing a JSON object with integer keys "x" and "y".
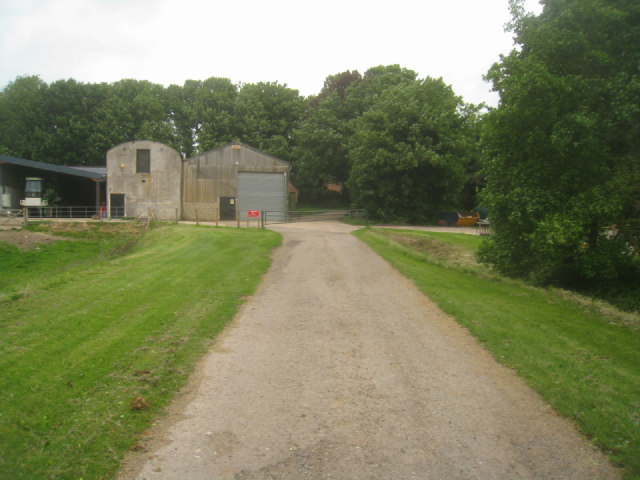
{"x": 254, "y": 213}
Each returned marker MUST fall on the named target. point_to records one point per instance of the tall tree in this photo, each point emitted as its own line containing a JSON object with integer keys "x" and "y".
{"x": 322, "y": 142}
{"x": 408, "y": 152}
{"x": 23, "y": 124}
{"x": 266, "y": 115}
{"x": 321, "y": 139}
{"x": 562, "y": 150}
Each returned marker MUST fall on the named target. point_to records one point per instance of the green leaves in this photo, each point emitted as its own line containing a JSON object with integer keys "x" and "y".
{"x": 408, "y": 152}
{"x": 561, "y": 151}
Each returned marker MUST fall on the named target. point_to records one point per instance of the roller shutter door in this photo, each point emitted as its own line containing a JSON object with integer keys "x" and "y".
{"x": 262, "y": 191}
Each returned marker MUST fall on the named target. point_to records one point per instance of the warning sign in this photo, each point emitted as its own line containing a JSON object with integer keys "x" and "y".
{"x": 254, "y": 213}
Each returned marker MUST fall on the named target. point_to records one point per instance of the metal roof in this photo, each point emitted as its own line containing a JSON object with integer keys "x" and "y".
{"x": 94, "y": 175}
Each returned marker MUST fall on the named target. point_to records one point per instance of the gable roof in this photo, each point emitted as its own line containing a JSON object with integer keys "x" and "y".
{"x": 248, "y": 147}
{"x": 51, "y": 167}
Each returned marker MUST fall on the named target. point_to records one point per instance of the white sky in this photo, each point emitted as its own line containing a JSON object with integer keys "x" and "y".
{"x": 295, "y": 42}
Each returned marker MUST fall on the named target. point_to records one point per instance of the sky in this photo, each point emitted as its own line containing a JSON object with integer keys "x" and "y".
{"x": 294, "y": 42}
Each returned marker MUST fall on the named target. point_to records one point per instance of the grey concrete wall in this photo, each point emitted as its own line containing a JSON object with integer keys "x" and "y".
{"x": 158, "y": 193}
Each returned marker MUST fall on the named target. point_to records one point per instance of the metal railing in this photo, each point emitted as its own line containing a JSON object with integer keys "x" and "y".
{"x": 61, "y": 212}
{"x": 273, "y": 217}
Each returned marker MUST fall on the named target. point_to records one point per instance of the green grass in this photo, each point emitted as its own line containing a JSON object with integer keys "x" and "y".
{"x": 24, "y": 270}
{"x": 582, "y": 356}
{"x": 103, "y": 329}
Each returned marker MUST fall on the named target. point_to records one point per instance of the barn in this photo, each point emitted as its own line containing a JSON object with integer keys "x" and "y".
{"x": 146, "y": 178}
{"x": 230, "y": 180}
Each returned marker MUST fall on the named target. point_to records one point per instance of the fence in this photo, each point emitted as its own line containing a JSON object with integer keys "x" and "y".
{"x": 272, "y": 217}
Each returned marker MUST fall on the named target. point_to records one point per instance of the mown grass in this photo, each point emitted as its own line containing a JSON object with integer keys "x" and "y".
{"x": 92, "y": 355}
{"x": 25, "y": 270}
{"x": 581, "y": 355}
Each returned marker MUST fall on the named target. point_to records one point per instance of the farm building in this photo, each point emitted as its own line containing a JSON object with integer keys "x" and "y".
{"x": 147, "y": 178}
{"x": 144, "y": 178}
{"x": 65, "y": 187}
{"x": 231, "y": 180}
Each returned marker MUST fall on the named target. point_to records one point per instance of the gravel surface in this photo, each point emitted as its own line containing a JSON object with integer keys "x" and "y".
{"x": 338, "y": 367}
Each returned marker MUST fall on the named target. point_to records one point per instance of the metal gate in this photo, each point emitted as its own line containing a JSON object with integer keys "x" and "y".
{"x": 262, "y": 191}
{"x": 270, "y": 217}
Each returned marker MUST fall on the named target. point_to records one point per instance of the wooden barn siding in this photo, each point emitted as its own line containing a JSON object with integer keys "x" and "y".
{"x": 213, "y": 174}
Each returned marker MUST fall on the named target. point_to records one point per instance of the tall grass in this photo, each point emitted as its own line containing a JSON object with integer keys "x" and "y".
{"x": 582, "y": 356}
{"x": 92, "y": 355}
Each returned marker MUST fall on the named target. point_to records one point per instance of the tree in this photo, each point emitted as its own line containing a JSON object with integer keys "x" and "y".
{"x": 321, "y": 138}
{"x": 266, "y": 115}
{"x": 408, "y": 152}
{"x": 22, "y": 122}
{"x": 562, "y": 150}
{"x": 322, "y": 148}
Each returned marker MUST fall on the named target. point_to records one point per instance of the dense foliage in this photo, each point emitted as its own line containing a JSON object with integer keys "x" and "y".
{"x": 401, "y": 146}
{"x": 72, "y": 123}
{"x": 408, "y": 152}
{"x": 562, "y": 150}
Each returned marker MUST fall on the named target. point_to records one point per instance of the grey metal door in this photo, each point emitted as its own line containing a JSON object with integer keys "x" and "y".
{"x": 262, "y": 191}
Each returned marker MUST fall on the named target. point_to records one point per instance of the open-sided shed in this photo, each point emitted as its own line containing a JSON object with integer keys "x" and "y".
{"x": 69, "y": 186}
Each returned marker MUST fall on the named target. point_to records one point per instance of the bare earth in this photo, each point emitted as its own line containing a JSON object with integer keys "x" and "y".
{"x": 338, "y": 367}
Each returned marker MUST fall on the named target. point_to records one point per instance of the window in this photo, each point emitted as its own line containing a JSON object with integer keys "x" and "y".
{"x": 143, "y": 161}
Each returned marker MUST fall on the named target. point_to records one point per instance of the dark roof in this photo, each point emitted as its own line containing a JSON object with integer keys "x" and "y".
{"x": 52, "y": 168}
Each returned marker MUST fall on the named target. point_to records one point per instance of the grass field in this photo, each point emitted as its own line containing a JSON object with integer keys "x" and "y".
{"x": 98, "y": 332}
{"x": 582, "y": 356}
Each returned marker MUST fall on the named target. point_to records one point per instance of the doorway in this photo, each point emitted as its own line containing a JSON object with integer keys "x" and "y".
{"x": 116, "y": 205}
{"x": 227, "y": 208}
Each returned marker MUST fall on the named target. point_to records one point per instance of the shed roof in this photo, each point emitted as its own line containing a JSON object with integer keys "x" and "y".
{"x": 248, "y": 147}
{"x": 94, "y": 175}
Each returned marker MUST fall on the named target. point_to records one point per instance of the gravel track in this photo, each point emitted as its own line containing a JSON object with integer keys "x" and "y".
{"x": 338, "y": 367}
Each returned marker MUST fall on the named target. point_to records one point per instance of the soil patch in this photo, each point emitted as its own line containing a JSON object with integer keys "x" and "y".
{"x": 25, "y": 240}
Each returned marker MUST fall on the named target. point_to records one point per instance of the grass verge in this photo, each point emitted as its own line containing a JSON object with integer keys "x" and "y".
{"x": 582, "y": 356}
{"x": 90, "y": 356}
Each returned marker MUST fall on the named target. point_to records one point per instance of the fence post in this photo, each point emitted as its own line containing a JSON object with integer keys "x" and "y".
{"x": 197, "y": 221}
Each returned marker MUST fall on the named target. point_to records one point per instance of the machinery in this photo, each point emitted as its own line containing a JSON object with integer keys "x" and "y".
{"x": 33, "y": 193}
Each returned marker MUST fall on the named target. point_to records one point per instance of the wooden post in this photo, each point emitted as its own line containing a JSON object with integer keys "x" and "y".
{"x": 25, "y": 216}
{"x": 217, "y": 216}
{"x": 197, "y": 221}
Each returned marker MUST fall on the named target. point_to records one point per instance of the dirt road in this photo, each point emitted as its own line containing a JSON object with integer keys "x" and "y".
{"x": 339, "y": 367}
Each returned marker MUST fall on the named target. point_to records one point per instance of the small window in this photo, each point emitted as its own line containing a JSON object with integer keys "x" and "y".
{"x": 143, "y": 161}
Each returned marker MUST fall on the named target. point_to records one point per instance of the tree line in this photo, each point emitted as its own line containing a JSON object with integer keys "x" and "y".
{"x": 73, "y": 123}
{"x": 556, "y": 163}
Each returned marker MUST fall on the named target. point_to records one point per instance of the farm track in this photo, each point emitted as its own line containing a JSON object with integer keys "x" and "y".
{"x": 338, "y": 367}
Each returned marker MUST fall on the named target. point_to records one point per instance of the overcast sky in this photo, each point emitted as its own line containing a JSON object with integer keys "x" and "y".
{"x": 294, "y": 42}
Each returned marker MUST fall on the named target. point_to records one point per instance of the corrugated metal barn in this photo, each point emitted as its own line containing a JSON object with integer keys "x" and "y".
{"x": 231, "y": 180}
